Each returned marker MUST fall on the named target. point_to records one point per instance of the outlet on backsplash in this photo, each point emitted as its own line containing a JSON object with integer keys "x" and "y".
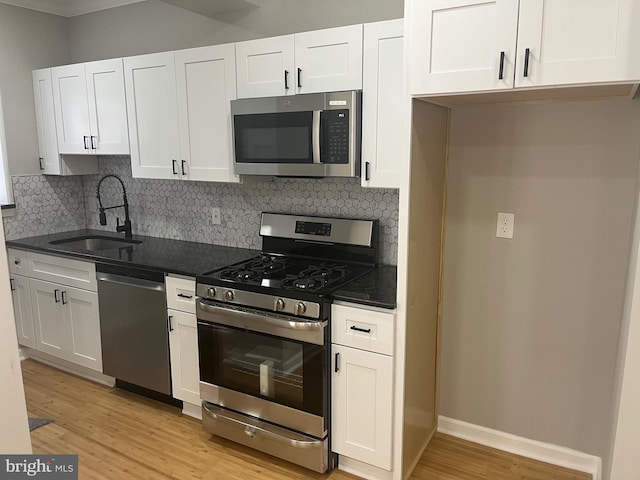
{"x": 215, "y": 216}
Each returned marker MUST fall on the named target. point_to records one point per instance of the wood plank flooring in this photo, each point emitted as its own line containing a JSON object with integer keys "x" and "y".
{"x": 120, "y": 435}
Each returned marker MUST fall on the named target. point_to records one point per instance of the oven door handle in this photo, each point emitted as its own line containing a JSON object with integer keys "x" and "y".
{"x": 304, "y": 331}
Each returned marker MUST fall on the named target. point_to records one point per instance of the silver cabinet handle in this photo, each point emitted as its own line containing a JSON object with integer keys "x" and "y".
{"x": 40, "y": 159}
{"x": 55, "y": 295}
{"x": 64, "y": 297}
{"x": 170, "y": 325}
{"x": 13, "y": 286}
{"x": 94, "y": 140}
{"x": 85, "y": 142}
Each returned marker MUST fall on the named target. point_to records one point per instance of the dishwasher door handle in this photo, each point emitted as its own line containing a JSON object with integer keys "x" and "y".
{"x": 130, "y": 281}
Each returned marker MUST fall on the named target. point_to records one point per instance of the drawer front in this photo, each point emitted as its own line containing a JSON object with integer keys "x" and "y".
{"x": 64, "y": 271}
{"x": 363, "y": 328}
{"x": 17, "y": 261}
{"x": 181, "y": 294}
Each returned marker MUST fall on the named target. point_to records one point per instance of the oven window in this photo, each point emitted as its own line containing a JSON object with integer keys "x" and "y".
{"x": 285, "y": 371}
{"x": 274, "y": 138}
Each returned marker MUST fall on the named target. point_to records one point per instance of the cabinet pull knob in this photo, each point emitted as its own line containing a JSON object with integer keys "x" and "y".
{"x": 170, "y": 325}
{"x": 286, "y": 79}
{"x": 173, "y": 166}
{"x": 367, "y": 171}
{"x": 357, "y": 329}
{"x": 299, "y": 78}
{"x": 64, "y": 297}
{"x": 55, "y": 295}
{"x": 94, "y": 140}
{"x": 182, "y": 295}
{"x": 501, "y": 72}
{"x": 527, "y": 52}
{"x": 40, "y": 159}
{"x": 13, "y": 286}
{"x": 86, "y": 147}
{"x": 336, "y": 363}
{"x": 16, "y": 261}
{"x": 184, "y": 172}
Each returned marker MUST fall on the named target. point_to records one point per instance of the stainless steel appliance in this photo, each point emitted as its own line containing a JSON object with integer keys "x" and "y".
{"x": 313, "y": 135}
{"x": 133, "y": 327}
{"x": 264, "y": 335}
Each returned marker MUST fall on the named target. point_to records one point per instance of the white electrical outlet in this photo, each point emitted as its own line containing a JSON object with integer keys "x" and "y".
{"x": 506, "y": 222}
{"x": 216, "y": 218}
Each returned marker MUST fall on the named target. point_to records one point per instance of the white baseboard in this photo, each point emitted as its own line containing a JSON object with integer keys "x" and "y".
{"x": 192, "y": 410}
{"x": 544, "y": 452}
{"x": 69, "y": 367}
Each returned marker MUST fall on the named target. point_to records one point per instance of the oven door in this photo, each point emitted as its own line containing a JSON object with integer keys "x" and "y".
{"x": 276, "y": 377}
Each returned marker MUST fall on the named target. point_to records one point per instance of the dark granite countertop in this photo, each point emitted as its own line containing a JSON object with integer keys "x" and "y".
{"x": 160, "y": 254}
{"x": 377, "y": 288}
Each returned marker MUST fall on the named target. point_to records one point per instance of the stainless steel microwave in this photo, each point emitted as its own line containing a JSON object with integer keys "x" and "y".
{"x": 312, "y": 135}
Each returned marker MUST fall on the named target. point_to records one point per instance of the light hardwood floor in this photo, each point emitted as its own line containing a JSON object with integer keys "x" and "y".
{"x": 120, "y": 435}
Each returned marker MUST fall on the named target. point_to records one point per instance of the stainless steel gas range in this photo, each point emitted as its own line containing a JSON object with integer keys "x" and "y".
{"x": 264, "y": 335}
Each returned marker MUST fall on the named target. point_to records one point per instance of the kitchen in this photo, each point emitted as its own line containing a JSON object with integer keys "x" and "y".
{"x": 94, "y": 39}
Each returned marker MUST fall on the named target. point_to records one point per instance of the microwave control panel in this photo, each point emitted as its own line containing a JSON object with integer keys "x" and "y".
{"x": 335, "y": 132}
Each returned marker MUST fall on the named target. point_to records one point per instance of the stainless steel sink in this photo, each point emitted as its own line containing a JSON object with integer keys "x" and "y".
{"x": 96, "y": 243}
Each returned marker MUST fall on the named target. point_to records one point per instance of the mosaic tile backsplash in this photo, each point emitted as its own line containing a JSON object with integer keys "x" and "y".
{"x": 182, "y": 209}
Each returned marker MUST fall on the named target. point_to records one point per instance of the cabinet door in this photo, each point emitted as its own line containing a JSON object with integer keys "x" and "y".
{"x": 107, "y": 107}
{"x": 72, "y": 109}
{"x": 362, "y": 405}
{"x": 50, "y": 326}
{"x": 150, "y": 84}
{"x": 206, "y": 83}
{"x": 22, "y": 310}
{"x": 46, "y": 122}
{"x": 183, "y": 347}
{"x": 456, "y": 45}
{"x": 265, "y": 67}
{"x": 329, "y": 60}
{"x": 386, "y": 107}
{"x": 82, "y": 317}
{"x": 572, "y": 41}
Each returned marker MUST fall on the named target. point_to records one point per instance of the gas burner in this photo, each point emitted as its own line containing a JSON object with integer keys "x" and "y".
{"x": 305, "y": 283}
{"x": 246, "y": 274}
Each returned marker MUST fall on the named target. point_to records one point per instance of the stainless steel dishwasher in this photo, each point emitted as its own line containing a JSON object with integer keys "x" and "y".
{"x": 133, "y": 327}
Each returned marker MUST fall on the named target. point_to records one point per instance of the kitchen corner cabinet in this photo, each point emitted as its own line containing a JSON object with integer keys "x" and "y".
{"x": 362, "y": 384}
{"x": 51, "y": 162}
{"x": 183, "y": 340}
{"x": 326, "y": 60}
{"x": 61, "y": 316}
{"x": 477, "y": 45}
{"x": 90, "y": 107}
{"x": 179, "y": 114}
{"x": 386, "y": 106}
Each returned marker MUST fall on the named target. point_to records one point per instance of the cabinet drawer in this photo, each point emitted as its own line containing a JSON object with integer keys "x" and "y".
{"x": 363, "y": 328}
{"x": 17, "y": 261}
{"x": 181, "y": 294}
{"x": 64, "y": 271}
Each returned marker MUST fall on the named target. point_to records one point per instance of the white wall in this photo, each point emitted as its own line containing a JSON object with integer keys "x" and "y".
{"x": 28, "y": 40}
{"x": 154, "y": 26}
{"x": 531, "y": 325}
{"x": 14, "y": 434}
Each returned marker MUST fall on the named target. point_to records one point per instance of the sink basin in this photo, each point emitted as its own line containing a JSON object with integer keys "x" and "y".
{"x": 96, "y": 243}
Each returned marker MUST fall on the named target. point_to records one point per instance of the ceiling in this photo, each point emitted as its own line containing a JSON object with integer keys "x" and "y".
{"x": 72, "y": 8}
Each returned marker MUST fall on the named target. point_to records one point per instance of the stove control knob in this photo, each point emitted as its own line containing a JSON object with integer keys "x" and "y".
{"x": 300, "y": 308}
{"x": 229, "y": 296}
{"x": 211, "y": 292}
{"x": 278, "y": 305}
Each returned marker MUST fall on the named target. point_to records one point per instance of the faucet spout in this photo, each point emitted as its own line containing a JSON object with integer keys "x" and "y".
{"x": 126, "y": 227}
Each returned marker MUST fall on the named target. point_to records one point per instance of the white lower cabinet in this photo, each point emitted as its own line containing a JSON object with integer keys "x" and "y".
{"x": 362, "y": 403}
{"x": 67, "y": 323}
{"x": 183, "y": 345}
{"x": 362, "y": 385}
{"x": 21, "y": 295}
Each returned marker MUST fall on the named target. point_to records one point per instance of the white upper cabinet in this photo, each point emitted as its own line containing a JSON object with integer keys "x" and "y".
{"x": 179, "y": 113}
{"x": 150, "y": 82}
{"x": 460, "y": 45}
{"x": 46, "y": 122}
{"x": 206, "y": 84}
{"x": 265, "y": 67}
{"x": 90, "y": 108}
{"x": 479, "y": 45}
{"x": 319, "y": 61}
{"x": 329, "y": 60}
{"x": 386, "y": 107}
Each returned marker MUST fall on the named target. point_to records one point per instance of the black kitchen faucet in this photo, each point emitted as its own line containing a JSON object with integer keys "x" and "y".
{"x": 126, "y": 227}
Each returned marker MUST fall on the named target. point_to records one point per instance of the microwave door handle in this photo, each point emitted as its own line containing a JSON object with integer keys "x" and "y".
{"x": 316, "y": 136}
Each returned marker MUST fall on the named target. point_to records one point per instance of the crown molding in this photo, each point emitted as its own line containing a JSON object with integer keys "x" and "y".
{"x": 69, "y": 8}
